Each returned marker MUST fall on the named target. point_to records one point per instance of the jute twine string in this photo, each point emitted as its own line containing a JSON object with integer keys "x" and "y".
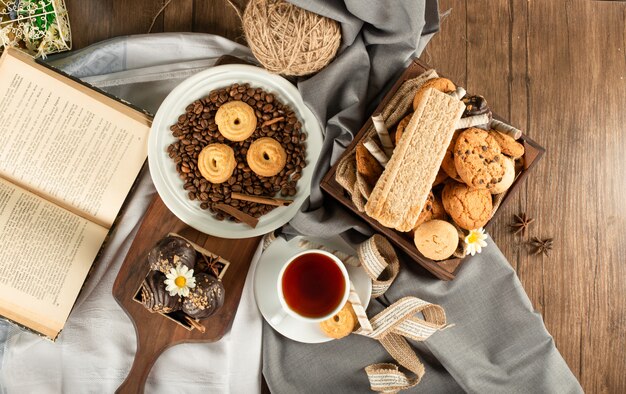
{"x": 393, "y": 325}
{"x": 289, "y": 40}
{"x": 284, "y": 38}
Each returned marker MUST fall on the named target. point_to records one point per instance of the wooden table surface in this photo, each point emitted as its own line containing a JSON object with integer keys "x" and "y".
{"x": 557, "y": 69}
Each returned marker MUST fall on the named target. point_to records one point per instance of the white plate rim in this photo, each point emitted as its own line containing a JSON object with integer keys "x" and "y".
{"x": 173, "y": 195}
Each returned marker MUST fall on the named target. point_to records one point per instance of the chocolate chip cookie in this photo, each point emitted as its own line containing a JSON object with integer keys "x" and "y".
{"x": 433, "y": 209}
{"x": 469, "y": 208}
{"x": 478, "y": 159}
{"x": 448, "y": 160}
{"x": 507, "y": 144}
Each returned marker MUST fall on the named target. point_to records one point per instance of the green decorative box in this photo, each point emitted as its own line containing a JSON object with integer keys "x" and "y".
{"x": 38, "y": 27}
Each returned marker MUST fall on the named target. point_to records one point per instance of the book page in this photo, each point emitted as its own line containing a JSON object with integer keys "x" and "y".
{"x": 46, "y": 252}
{"x": 66, "y": 143}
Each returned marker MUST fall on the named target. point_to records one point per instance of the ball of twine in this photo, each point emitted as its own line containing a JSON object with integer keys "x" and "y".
{"x": 289, "y": 40}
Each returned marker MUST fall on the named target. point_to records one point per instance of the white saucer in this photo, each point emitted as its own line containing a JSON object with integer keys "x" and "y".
{"x": 266, "y": 275}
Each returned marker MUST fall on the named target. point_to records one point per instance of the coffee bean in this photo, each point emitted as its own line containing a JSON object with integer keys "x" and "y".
{"x": 196, "y": 128}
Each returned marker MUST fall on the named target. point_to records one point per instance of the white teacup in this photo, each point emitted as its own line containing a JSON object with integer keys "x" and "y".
{"x": 285, "y": 310}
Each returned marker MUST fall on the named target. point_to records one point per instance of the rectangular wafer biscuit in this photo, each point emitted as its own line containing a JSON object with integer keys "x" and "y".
{"x": 401, "y": 191}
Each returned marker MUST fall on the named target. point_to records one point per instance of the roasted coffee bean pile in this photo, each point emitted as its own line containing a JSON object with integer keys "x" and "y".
{"x": 196, "y": 128}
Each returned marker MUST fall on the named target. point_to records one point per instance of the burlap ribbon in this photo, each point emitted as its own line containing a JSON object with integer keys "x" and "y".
{"x": 393, "y": 325}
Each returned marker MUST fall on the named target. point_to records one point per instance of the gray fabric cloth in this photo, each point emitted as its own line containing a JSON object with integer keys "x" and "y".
{"x": 499, "y": 343}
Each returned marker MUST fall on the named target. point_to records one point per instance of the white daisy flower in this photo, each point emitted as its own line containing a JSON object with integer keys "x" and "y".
{"x": 180, "y": 280}
{"x": 475, "y": 241}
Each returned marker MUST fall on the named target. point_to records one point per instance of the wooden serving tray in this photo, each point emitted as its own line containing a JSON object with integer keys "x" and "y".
{"x": 155, "y": 332}
{"x": 447, "y": 269}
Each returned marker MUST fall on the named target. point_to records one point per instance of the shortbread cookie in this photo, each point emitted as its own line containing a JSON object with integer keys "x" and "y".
{"x": 507, "y": 179}
{"x": 367, "y": 165}
{"x": 477, "y": 159}
{"x": 469, "y": 208}
{"x": 401, "y": 191}
{"x": 441, "y": 84}
{"x": 342, "y": 324}
{"x": 436, "y": 239}
{"x": 448, "y": 160}
{"x": 235, "y": 120}
{"x": 216, "y": 162}
{"x": 266, "y": 157}
{"x": 508, "y": 145}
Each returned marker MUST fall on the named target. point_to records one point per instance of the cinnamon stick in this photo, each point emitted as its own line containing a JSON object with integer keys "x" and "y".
{"x": 272, "y": 121}
{"x": 278, "y": 202}
{"x": 195, "y": 324}
{"x": 234, "y": 212}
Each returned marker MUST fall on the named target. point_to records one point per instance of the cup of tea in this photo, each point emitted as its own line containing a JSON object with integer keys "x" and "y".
{"x": 312, "y": 286}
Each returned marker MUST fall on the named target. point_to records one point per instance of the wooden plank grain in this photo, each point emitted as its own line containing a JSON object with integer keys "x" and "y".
{"x": 559, "y": 69}
{"x": 178, "y": 16}
{"x": 513, "y": 246}
{"x": 218, "y": 17}
{"x": 89, "y": 20}
{"x": 574, "y": 70}
{"x": 560, "y": 195}
{"x": 447, "y": 50}
{"x": 135, "y": 17}
{"x": 601, "y": 70}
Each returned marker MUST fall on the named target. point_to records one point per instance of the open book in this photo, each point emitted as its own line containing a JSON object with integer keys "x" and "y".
{"x": 68, "y": 158}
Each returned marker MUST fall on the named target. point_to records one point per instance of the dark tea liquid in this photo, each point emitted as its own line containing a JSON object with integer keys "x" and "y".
{"x": 313, "y": 285}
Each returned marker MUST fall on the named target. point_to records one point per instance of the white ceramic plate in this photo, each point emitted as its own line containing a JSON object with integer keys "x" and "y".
{"x": 162, "y": 168}
{"x": 266, "y": 275}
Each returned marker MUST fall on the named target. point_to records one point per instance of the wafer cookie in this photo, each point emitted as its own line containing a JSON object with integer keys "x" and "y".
{"x": 401, "y": 191}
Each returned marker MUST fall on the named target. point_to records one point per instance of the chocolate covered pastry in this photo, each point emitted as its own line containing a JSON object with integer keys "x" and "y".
{"x": 170, "y": 252}
{"x": 204, "y": 299}
{"x": 475, "y": 105}
{"x": 154, "y": 296}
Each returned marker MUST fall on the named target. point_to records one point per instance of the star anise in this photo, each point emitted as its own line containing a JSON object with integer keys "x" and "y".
{"x": 521, "y": 223}
{"x": 543, "y": 246}
{"x": 213, "y": 265}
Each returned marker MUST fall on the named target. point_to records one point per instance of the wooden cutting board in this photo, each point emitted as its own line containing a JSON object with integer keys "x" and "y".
{"x": 155, "y": 333}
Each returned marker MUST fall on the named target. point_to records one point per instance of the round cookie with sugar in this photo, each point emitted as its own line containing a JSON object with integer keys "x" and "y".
{"x": 436, "y": 239}
{"x": 478, "y": 159}
{"x": 236, "y": 120}
{"x": 266, "y": 157}
{"x": 341, "y": 324}
{"x": 469, "y": 208}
